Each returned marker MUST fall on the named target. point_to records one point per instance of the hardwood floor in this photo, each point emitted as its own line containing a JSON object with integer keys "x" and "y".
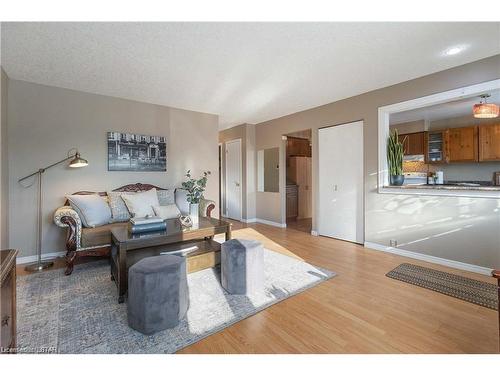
{"x": 358, "y": 311}
{"x": 304, "y": 225}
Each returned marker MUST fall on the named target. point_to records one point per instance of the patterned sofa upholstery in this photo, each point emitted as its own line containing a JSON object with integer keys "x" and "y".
{"x": 81, "y": 241}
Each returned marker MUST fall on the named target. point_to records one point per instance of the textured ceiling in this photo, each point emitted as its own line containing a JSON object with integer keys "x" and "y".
{"x": 244, "y": 72}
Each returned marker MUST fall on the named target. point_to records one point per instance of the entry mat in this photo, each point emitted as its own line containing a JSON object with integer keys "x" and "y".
{"x": 470, "y": 290}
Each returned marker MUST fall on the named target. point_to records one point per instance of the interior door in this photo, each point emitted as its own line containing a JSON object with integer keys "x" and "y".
{"x": 341, "y": 182}
{"x": 233, "y": 179}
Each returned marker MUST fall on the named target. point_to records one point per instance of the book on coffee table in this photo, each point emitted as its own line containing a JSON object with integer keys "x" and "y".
{"x": 147, "y": 227}
{"x": 146, "y": 220}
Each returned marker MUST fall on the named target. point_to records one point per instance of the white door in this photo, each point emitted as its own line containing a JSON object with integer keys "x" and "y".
{"x": 341, "y": 182}
{"x": 233, "y": 179}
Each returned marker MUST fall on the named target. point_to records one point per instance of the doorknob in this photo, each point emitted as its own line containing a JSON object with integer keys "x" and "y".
{"x": 237, "y": 183}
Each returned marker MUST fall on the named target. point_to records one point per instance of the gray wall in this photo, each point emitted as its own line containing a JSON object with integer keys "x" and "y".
{"x": 461, "y": 229}
{"x": 4, "y": 166}
{"x": 44, "y": 122}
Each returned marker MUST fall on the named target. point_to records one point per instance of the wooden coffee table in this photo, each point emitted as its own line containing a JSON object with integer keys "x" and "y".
{"x": 128, "y": 248}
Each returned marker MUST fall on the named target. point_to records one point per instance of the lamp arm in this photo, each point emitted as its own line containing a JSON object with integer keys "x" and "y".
{"x": 41, "y": 170}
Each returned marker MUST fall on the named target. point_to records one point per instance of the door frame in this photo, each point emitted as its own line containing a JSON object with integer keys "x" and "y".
{"x": 363, "y": 205}
{"x": 220, "y": 149}
{"x": 238, "y": 140}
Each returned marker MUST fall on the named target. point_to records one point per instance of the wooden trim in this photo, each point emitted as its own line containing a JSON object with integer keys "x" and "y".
{"x": 8, "y": 275}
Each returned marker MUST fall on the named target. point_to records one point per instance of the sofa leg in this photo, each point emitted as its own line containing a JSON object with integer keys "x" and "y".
{"x": 70, "y": 262}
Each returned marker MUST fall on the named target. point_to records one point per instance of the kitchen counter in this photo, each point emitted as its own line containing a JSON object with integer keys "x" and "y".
{"x": 446, "y": 187}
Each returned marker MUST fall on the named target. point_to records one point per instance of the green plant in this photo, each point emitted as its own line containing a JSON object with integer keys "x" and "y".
{"x": 395, "y": 152}
{"x": 195, "y": 187}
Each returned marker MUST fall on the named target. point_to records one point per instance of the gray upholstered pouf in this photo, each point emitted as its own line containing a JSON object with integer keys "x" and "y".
{"x": 157, "y": 293}
{"x": 242, "y": 266}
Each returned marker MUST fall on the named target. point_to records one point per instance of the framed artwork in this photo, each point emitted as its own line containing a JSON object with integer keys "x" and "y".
{"x": 136, "y": 152}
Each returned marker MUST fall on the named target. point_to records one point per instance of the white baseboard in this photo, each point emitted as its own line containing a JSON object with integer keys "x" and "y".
{"x": 262, "y": 221}
{"x": 268, "y": 222}
{"x": 430, "y": 258}
{"x": 33, "y": 258}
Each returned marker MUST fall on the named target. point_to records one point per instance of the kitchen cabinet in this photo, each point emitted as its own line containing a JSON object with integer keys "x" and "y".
{"x": 489, "y": 142}
{"x": 298, "y": 147}
{"x": 462, "y": 144}
{"x": 292, "y": 202}
{"x": 300, "y": 171}
{"x": 436, "y": 146}
{"x": 413, "y": 143}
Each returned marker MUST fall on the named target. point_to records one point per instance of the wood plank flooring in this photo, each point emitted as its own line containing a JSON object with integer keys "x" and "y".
{"x": 359, "y": 311}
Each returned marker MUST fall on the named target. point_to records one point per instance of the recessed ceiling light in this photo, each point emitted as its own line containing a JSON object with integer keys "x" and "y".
{"x": 454, "y": 50}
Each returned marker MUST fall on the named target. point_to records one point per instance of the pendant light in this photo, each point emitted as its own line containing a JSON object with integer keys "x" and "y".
{"x": 484, "y": 109}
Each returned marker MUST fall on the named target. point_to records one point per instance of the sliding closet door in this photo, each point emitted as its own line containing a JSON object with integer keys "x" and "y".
{"x": 341, "y": 182}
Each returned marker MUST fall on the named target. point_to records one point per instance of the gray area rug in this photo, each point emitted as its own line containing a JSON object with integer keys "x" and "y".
{"x": 80, "y": 313}
{"x": 464, "y": 288}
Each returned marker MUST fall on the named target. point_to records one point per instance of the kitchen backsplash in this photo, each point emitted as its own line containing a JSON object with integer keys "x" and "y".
{"x": 456, "y": 171}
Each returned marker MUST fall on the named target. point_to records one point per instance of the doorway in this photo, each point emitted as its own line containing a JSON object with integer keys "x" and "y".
{"x": 341, "y": 182}
{"x": 233, "y": 178}
{"x": 299, "y": 180}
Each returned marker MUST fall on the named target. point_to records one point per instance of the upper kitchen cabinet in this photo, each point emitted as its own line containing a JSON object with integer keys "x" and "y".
{"x": 413, "y": 143}
{"x": 489, "y": 142}
{"x": 462, "y": 144}
{"x": 298, "y": 147}
{"x": 436, "y": 146}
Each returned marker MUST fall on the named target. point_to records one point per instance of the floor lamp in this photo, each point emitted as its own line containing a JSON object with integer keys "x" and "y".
{"x": 76, "y": 162}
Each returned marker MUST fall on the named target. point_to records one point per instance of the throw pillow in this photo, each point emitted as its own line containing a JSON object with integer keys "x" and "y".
{"x": 141, "y": 204}
{"x": 170, "y": 211}
{"x": 92, "y": 209}
{"x": 119, "y": 211}
{"x": 166, "y": 197}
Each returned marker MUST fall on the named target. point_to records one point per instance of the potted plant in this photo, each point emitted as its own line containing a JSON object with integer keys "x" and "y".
{"x": 195, "y": 189}
{"x": 395, "y": 152}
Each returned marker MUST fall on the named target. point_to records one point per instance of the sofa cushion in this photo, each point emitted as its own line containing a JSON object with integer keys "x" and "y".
{"x": 99, "y": 236}
{"x": 170, "y": 211}
{"x": 141, "y": 204}
{"x": 166, "y": 197}
{"x": 92, "y": 209}
{"x": 119, "y": 211}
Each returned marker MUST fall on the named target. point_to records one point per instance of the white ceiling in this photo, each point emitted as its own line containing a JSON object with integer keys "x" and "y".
{"x": 456, "y": 108}
{"x": 244, "y": 72}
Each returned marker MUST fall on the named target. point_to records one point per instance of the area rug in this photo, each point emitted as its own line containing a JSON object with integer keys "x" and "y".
{"x": 464, "y": 288}
{"x": 80, "y": 313}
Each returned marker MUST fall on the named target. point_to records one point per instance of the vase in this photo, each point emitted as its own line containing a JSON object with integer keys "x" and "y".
{"x": 397, "y": 180}
{"x": 193, "y": 212}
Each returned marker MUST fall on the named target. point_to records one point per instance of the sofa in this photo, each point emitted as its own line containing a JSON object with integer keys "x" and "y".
{"x": 84, "y": 241}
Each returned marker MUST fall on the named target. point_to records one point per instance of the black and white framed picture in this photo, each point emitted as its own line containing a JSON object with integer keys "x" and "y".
{"x": 136, "y": 152}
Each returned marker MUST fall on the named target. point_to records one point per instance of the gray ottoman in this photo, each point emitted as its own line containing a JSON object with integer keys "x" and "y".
{"x": 242, "y": 266}
{"x": 157, "y": 293}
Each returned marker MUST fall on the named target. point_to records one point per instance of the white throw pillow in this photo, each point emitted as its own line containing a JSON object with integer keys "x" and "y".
{"x": 170, "y": 211}
{"x": 141, "y": 204}
{"x": 92, "y": 209}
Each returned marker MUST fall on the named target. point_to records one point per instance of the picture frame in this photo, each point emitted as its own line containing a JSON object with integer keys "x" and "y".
{"x": 131, "y": 152}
